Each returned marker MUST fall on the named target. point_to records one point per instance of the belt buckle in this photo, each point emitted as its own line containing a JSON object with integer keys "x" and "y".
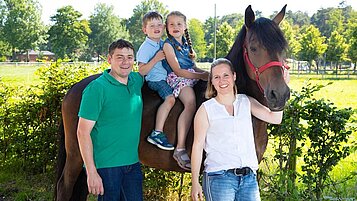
{"x": 238, "y": 172}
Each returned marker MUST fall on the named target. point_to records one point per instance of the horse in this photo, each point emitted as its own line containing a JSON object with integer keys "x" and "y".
{"x": 257, "y": 56}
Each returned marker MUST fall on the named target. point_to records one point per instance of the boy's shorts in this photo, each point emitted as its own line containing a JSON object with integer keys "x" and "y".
{"x": 161, "y": 87}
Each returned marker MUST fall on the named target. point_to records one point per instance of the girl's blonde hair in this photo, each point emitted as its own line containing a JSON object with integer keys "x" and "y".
{"x": 210, "y": 90}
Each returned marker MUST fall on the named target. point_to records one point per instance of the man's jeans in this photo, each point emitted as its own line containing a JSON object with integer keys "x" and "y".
{"x": 226, "y": 186}
{"x": 122, "y": 183}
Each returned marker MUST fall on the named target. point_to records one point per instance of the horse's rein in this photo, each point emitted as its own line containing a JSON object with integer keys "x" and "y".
{"x": 258, "y": 70}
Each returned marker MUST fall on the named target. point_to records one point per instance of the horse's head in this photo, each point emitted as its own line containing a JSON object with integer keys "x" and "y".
{"x": 260, "y": 47}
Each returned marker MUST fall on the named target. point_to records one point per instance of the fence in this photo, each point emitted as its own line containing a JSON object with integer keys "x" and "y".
{"x": 295, "y": 69}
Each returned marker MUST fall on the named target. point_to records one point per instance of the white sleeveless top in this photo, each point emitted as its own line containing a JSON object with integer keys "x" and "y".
{"x": 230, "y": 139}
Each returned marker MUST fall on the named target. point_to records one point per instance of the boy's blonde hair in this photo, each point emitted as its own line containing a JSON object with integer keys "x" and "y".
{"x": 150, "y": 16}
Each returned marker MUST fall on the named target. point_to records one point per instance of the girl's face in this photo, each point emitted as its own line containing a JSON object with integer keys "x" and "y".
{"x": 223, "y": 79}
{"x": 176, "y": 26}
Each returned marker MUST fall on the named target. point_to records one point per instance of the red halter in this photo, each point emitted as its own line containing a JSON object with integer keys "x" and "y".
{"x": 258, "y": 70}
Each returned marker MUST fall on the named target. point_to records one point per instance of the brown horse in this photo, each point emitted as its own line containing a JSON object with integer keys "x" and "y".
{"x": 257, "y": 56}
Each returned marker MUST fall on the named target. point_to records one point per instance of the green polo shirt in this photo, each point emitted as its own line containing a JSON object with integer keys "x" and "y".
{"x": 117, "y": 110}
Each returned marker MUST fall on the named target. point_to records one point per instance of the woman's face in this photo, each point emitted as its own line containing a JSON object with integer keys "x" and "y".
{"x": 176, "y": 26}
{"x": 223, "y": 79}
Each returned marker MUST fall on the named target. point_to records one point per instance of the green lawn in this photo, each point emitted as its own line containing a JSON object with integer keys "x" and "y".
{"x": 19, "y": 75}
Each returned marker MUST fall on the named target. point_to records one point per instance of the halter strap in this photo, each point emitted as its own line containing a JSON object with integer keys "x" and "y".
{"x": 258, "y": 70}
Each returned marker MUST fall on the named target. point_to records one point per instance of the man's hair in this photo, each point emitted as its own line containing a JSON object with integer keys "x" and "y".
{"x": 150, "y": 16}
{"x": 120, "y": 44}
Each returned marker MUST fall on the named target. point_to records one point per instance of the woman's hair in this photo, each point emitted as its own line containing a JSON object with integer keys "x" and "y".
{"x": 210, "y": 90}
{"x": 186, "y": 34}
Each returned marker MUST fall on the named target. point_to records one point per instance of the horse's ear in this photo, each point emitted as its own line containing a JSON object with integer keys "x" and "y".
{"x": 279, "y": 17}
{"x": 249, "y": 16}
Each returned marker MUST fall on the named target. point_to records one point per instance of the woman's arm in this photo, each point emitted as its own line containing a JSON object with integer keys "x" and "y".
{"x": 200, "y": 129}
{"x": 264, "y": 113}
{"x": 175, "y": 66}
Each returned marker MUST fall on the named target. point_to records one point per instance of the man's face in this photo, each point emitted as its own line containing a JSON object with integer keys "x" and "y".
{"x": 121, "y": 61}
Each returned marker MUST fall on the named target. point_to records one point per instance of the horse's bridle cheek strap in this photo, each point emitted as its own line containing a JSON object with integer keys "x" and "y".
{"x": 258, "y": 71}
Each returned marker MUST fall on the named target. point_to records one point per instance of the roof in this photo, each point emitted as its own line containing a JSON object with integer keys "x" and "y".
{"x": 35, "y": 52}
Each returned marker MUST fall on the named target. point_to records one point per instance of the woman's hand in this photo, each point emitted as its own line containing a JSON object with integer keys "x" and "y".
{"x": 196, "y": 192}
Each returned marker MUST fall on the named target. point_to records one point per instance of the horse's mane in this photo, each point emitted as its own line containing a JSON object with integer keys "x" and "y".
{"x": 268, "y": 33}
{"x": 235, "y": 55}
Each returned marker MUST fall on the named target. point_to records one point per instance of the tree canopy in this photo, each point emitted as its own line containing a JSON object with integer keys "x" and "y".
{"x": 69, "y": 35}
{"x": 106, "y": 27}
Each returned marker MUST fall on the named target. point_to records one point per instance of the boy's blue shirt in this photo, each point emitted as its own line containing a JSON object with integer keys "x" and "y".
{"x": 145, "y": 53}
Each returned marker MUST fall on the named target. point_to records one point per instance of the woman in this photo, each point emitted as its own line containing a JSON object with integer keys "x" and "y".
{"x": 223, "y": 128}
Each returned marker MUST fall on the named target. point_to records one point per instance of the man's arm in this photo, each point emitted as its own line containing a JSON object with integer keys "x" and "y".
{"x": 94, "y": 181}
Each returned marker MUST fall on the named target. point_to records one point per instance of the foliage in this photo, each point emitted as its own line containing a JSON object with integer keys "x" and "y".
{"x": 312, "y": 44}
{"x": 22, "y": 28}
{"x": 225, "y": 39}
{"x": 336, "y": 48}
{"x": 30, "y": 117}
{"x": 327, "y": 132}
{"x": 195, "y": 28}
{"x": 297, "y": 18}
{"x": 352, "y": 37}
{"x": 134, "y": 23}
{"x": 69, "y": 35}
{"x": 316, "y": 131}
{"x": 293, "y": 44}
{"x": 106, "y": 27}
{"x": 161, "y": 185}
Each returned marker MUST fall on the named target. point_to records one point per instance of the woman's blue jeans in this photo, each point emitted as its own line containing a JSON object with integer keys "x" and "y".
{"x": 123, "y": 183}
{"x": 226, "y": 186}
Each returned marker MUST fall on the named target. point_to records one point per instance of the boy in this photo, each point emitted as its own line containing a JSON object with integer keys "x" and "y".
{"x": 149, "y": 57}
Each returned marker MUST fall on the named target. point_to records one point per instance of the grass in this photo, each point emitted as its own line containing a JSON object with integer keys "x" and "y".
{"x": 342, "y": 92}
{"x": 19, "y": 75}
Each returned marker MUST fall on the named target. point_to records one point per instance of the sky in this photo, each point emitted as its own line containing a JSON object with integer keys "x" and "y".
{"x": 200, "y": 9}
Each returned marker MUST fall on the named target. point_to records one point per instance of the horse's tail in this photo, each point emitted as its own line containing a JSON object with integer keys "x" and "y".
{"x": 61, "y": 157}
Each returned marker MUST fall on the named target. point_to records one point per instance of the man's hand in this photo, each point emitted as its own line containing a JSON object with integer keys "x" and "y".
{"x": 95, "y": 184}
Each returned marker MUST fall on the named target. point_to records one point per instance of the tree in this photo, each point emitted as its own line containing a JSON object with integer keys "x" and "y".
{"x": 297, "y": 18}
{"x": 197, "y": 37}
{"x": 134, "y": 23}
{"x": 312, "y": 44}
{"x": 106, "y": 27}
{"x": 336, "y": 48}
{"x": 352, "y": 38}
{"x": 225, "y": 39}
{"x": 69, "y": 35}
{"x": 290, "y": 34}
{"x": 232, "y": 19}
{"x": 319, "y": 20}
{"x": 22, "y": 28}
{"x": 209, "y": 29}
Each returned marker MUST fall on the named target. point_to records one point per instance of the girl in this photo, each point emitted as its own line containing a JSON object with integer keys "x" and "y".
{"x": 223, "y": 128}
{"x": 182, "y": 76}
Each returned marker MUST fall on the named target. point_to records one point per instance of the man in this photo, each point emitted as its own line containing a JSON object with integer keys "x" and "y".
{"x": 109, "y": 128}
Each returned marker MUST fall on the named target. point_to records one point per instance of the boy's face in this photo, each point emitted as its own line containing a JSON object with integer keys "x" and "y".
{"x": 154, "y": 29}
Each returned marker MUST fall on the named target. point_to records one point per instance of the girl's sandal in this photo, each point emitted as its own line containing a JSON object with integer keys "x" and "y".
{"x": 182, "y": 159}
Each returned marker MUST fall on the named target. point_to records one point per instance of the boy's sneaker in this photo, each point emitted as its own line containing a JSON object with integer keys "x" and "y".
{"x": 159, "y": 139}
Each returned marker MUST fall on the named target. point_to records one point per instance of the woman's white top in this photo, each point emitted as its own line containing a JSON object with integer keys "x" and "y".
{"x": 230, "y": 139}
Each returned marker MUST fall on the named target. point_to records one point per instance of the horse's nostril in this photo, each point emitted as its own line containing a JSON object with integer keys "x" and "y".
{"x": 273, "y": 95}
